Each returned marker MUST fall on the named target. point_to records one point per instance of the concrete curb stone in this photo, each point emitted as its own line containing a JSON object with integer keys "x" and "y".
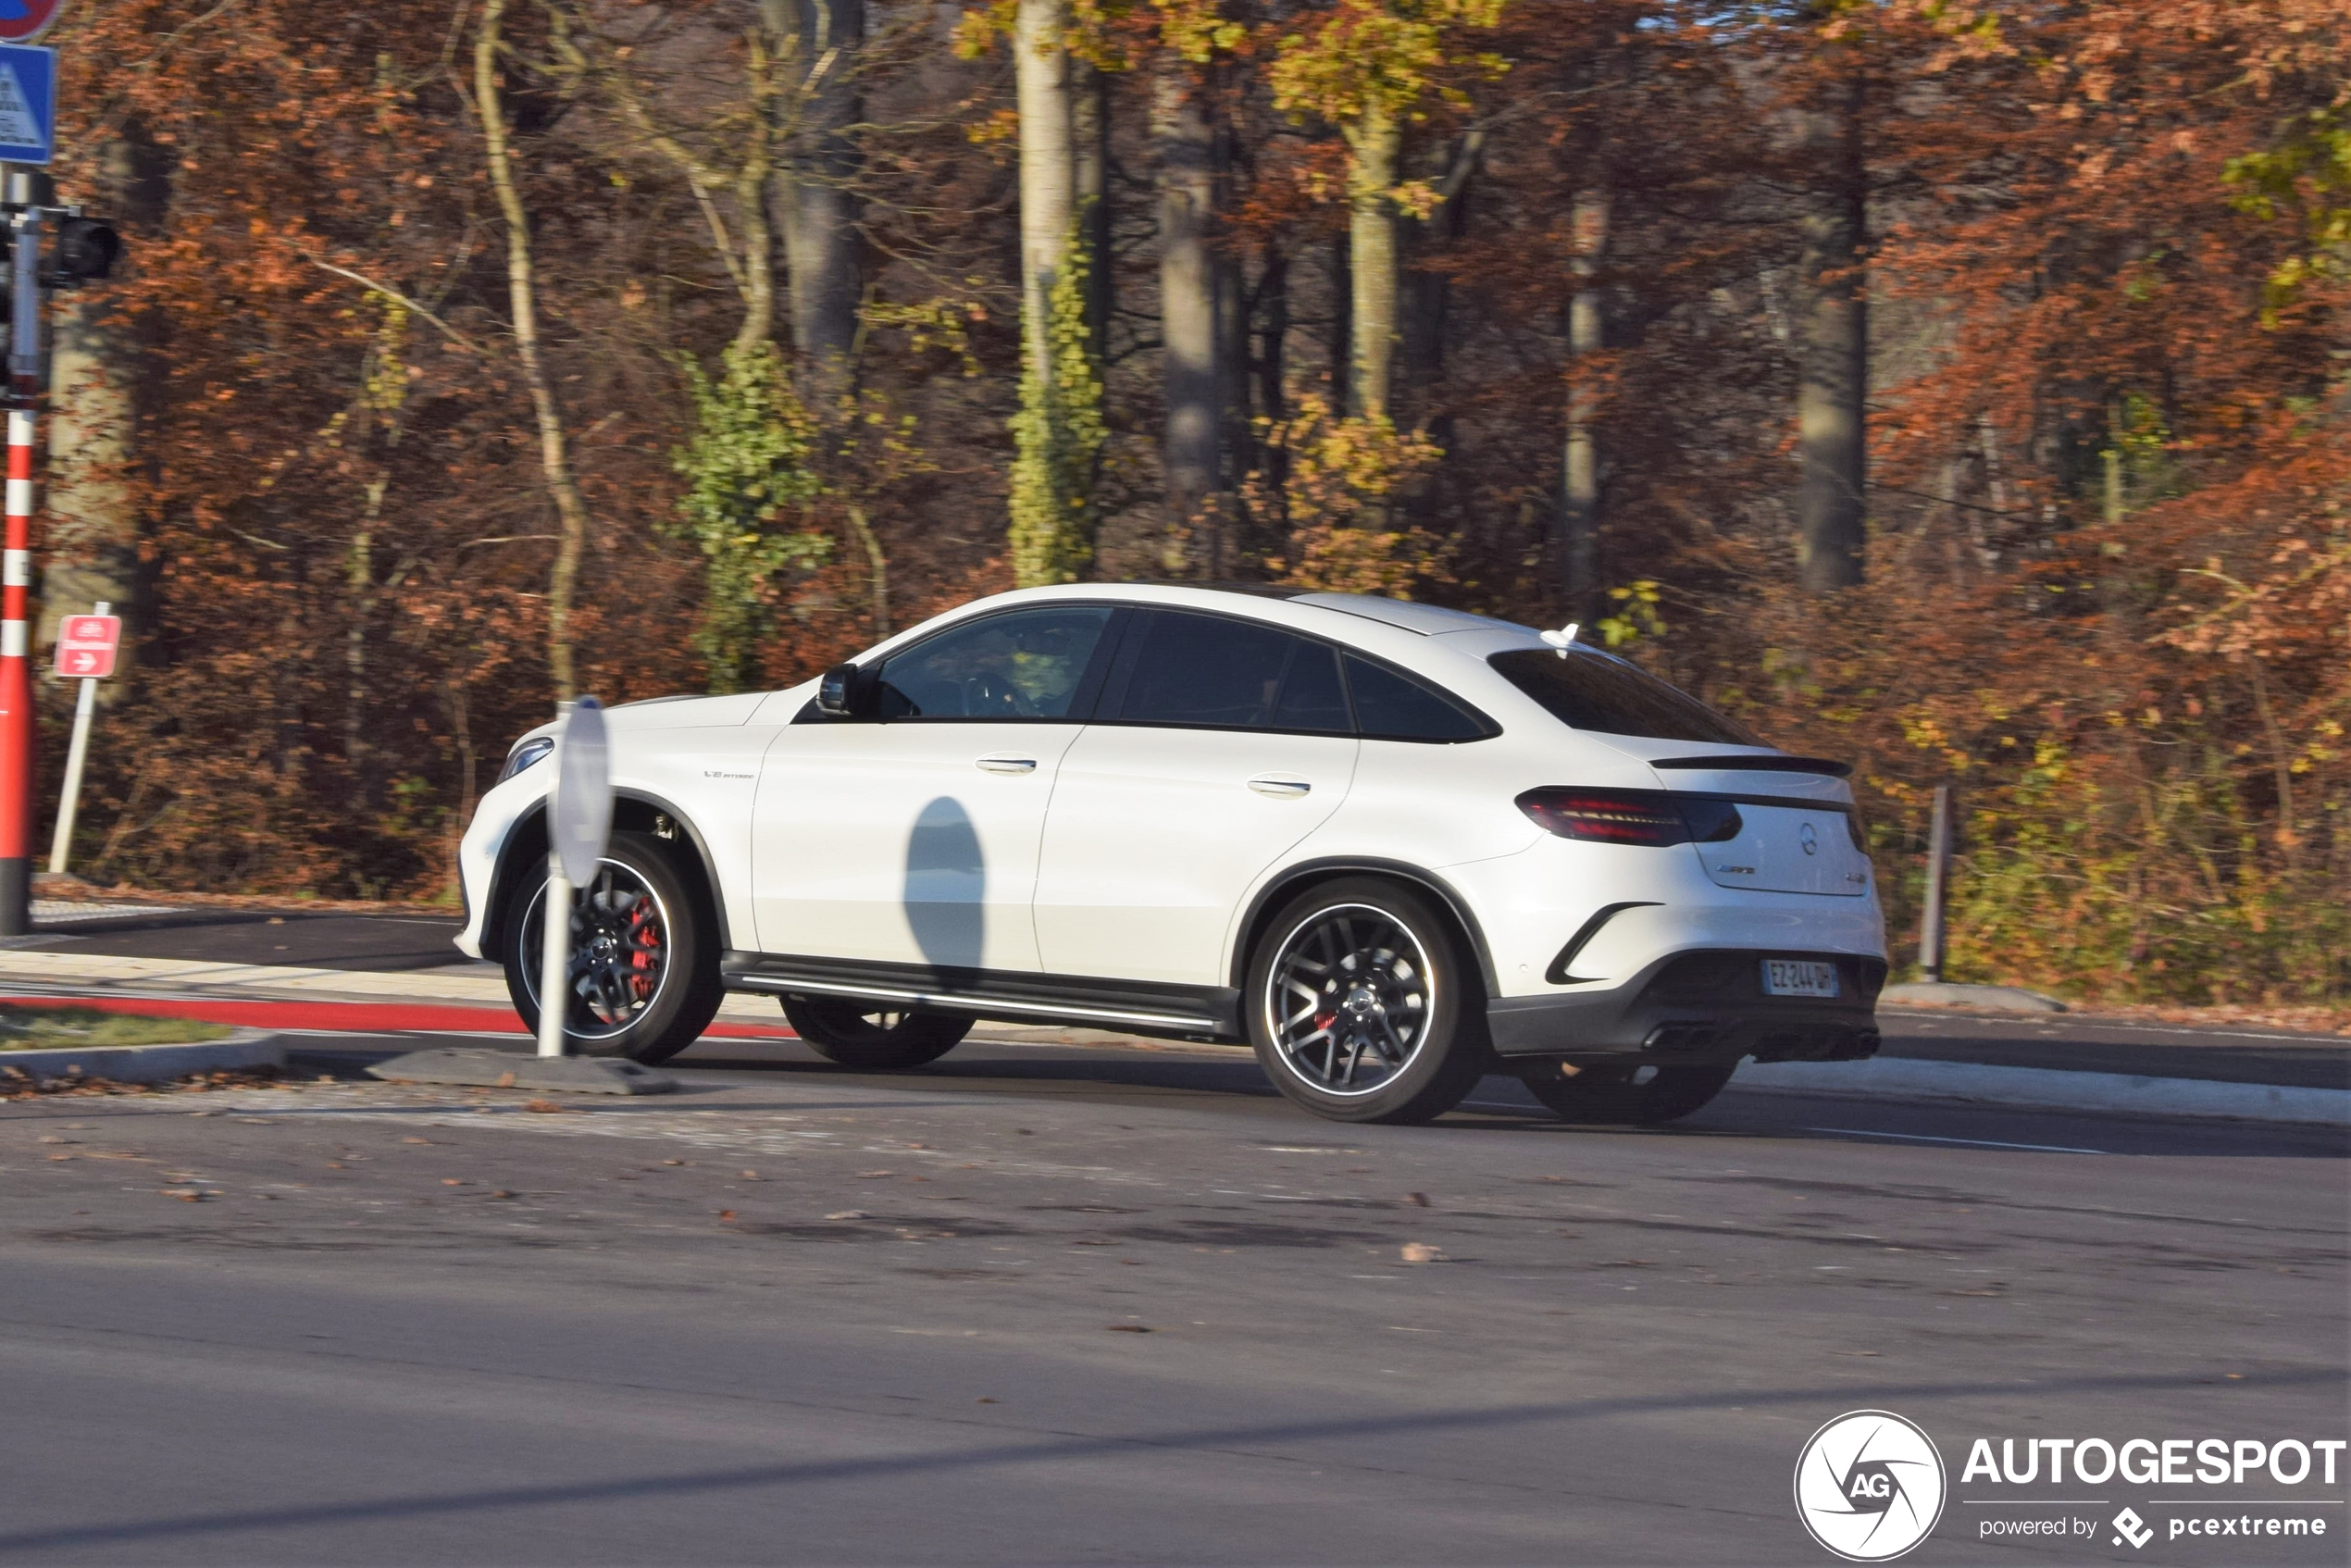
{"x": 241, "y": 1052}
{"x": 1989, "y": 998}
{"x": 2046, "y": 1088}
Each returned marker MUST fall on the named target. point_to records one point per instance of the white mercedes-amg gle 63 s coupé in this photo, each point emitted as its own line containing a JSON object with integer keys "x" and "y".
{"x": 1392, "y": 847}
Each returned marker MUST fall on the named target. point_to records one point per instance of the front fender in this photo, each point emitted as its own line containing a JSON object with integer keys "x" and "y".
{"x": 492, "y": 840}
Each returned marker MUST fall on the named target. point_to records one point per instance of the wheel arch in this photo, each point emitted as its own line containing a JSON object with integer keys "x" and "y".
{"x": 633, "y": 810}
{"x": 1296, "y": 879}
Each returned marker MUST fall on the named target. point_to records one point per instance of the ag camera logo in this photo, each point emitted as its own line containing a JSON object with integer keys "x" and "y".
{"x": 1870, "y": 1486}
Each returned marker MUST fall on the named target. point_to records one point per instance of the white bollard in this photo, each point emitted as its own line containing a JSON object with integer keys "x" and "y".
{"x": 578, "y": 825}
{"x": 555, "y": 972}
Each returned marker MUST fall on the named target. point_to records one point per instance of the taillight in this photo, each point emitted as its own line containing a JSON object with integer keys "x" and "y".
{"x": 1631, "y": 816}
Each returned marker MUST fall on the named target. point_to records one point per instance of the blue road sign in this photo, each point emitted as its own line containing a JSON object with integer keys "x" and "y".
{"x": 28, "y": 103}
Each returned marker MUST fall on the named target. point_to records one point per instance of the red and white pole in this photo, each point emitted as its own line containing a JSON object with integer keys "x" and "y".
{"x": 16, "y": 689}
{"x": 16, "y": 567}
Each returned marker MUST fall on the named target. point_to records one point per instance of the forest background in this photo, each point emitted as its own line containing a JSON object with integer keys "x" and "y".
{"x": 1960, "y": 386}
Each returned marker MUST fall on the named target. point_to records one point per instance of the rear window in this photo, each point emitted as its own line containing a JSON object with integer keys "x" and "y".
{"x": 1223, "y": 674}
{"x": 1389, "y": 707}
{"x": 1590, "y": 689}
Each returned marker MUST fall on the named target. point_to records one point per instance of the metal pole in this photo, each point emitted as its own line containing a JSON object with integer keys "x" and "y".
{"x": 1938, "y": 871}
{"x": 70, "y": 798}
{"x": 16, "y": 566}
{"x": 555, "y": 963}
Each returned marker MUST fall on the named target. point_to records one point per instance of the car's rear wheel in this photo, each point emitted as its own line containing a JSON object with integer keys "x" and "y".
{"x": 867, "y": 1036}
{"x": 1628, "y": 1096}
{"x": 643, "y": 980}
{"x": 1361, "y": 1006}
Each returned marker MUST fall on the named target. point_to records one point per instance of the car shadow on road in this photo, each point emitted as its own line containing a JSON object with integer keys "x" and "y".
{"x": 1210, "y": 1078}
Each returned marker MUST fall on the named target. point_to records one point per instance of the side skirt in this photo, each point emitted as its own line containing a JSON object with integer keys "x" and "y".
{"x": 1181, "y": 1012}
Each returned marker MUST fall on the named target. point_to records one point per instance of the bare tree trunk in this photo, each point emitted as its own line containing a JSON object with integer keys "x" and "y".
{"x": 1272, "y": 336}
{"x": 1273, "y": 298}
{"x": 1580, "y": 478}
{"x": 758, "y": 284}
{"x": 818, "y": 172}
{"x": 1373, "y": 143}
{"x": 1342, "y": 326}
{"x": 1832, "y": 433}
{"x": 1231, "y": 268}
{"x": 1090, "y": 150}
{"x": 522, "y": 287}
{"x": 1057, "y": 435}
{"x": 1048, "y": 171}
{"x": 877, "y": 569}
{"x": 1188, "y": 297}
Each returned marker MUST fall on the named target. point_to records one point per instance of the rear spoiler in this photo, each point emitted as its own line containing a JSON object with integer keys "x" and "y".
{"x": 1762, "y": 764}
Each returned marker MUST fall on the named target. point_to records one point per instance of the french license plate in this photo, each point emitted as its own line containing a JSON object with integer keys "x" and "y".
{"x": 1798, "y": 976}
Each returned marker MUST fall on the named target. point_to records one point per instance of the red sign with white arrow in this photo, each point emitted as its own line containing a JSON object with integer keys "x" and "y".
{"x": 86, "y": 646}
{"x": 21, "y": 21}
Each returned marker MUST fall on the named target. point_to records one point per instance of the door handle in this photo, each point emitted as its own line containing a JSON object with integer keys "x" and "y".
{"x": 1002, "y": 763}
{"x": 1279, "y": 786}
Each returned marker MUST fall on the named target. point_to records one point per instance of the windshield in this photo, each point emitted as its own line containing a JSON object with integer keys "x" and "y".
{"x": 1590, "y": 689}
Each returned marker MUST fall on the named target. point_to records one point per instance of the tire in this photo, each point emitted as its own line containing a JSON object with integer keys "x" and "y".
{"x": 1362, "y": 1006}
{"x": 1612, "y": 1097}
{"x": 651, "y": 985}
{"x": 870, "y": 1037}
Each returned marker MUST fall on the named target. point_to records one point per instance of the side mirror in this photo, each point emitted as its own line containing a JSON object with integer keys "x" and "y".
{"x": 835, "y": 692}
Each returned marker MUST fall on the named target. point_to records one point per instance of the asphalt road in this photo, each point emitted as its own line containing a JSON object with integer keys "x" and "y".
{"x": 1040, "y": 1305}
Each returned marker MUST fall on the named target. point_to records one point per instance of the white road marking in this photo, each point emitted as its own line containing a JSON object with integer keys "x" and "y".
{"x": 1972, "y": 1142}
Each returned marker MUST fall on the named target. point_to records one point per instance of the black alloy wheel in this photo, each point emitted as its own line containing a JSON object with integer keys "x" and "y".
{"x": 1360, "y": 1006}
{"x": 644, "y": 978}
{"x": 1631, "y": 1095}
{"x": 870, "y": 1036}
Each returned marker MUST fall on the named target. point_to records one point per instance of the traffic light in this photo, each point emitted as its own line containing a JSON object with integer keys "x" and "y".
{"x": 85, "y": 249}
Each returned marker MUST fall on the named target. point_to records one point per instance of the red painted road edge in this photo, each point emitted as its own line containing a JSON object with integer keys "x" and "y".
{"x": 356, "y": 1017}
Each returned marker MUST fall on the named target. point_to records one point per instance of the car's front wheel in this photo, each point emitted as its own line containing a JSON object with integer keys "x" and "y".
{"x": 1361, "y": 1006}
{"x": 644, "y": 978}
{"x": 1628, "y": 1096}
{"x": 862, "y": 1035}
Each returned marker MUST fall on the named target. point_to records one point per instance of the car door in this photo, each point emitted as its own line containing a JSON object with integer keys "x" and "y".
{"x": 1218, "y": 745}
{"x": 910, "y": 837}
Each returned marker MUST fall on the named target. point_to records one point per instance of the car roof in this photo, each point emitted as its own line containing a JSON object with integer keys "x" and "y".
{"x": 1407, "y": 615}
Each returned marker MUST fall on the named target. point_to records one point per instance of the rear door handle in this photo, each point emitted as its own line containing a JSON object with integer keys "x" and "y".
{"x": 1002, "y": 763}
{"x": 1279, "y": 786}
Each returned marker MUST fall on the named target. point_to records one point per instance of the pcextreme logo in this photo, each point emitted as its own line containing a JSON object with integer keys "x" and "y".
{"x": 1870, "y": 1486}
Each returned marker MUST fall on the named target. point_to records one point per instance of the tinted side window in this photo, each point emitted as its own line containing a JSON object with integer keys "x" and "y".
{"x": 1590, "y": 689}
{"x": 1023, "y": 664}
{"x": 1232, "y": 675}
{"x": 1388, "y": 707}
{"x": 1312, "y": 698}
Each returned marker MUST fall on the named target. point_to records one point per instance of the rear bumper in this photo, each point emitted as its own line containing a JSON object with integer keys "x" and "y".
{"x": 1706, "y": 1005}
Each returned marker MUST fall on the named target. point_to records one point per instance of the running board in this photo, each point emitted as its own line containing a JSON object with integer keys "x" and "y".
{"x": 1183, "y": 1011}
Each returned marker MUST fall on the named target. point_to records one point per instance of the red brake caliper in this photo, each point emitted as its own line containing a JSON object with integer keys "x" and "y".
{"x": 644, "y": 947}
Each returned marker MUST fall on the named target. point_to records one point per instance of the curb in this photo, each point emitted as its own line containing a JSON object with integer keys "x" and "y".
{"x": 241, "y": 1052}
{"x": 499, "y": 1069}
{"x": 202, "y": 976}
{"x": 1989, "y": 999}
{"x": 2049, "y": 1089}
